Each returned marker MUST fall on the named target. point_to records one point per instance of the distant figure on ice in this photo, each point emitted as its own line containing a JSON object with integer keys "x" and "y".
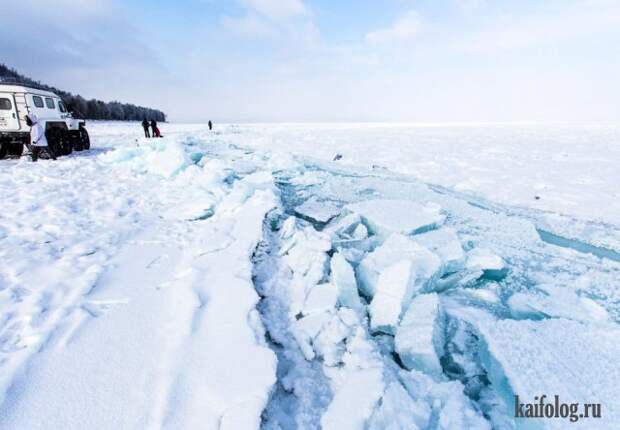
{"x": 156, "y": 132}
{"x": 145, "y": 126}
{"x": 38, "y": 141}
{"x": 210, "y": 125}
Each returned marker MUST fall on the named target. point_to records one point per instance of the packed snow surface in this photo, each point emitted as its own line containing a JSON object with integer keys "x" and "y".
{"x": 247, "y": 278}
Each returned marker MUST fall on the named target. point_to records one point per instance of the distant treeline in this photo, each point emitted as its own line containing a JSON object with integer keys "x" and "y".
{"x": 90, "y": 109}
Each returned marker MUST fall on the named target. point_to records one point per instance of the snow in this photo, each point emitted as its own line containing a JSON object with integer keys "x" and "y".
{"x": 323, "y": 297}
{"x": 122, "y": 297}
{"x": 234, "y": 389}
{"x": 383, "y": 217}
{"x": 357, "y": 393}
{"x": 399, "y": 411}
{"x": 450, "y": 408}
{"x": 572, "y": 166}
{"x": 241, "y": 279}
{"x": 306, "y": 329}
{"x": 525, "y": 356}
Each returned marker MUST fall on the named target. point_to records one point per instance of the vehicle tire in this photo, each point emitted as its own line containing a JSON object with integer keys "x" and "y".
{"x": 15, "y": 149}
{"x": 66, "y": 143}
{"x": 3, "y": 150}
{"x": 54, "y": 142}
{"x": 85, "y": 138}
{"x": 53, "y": 148}
{"x": 76, "y": 138}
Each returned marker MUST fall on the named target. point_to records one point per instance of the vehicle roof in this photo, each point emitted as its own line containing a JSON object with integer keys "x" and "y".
{"x": 25, "y": 89}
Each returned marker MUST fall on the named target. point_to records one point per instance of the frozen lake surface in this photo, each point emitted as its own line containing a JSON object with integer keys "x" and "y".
{"x": 243, "y": 279}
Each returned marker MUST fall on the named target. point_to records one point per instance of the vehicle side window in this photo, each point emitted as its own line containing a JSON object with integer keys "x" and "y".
{"x": 38, "y": 101}
{"x": 62, "y": 107}
{"x": 5, "y": 104}
{"x": 50, "y": 103}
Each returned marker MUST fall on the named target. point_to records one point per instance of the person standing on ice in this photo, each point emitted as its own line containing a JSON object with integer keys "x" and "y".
{"x": 210, "y": 125}
{"x": 38, "y": 141}
{"x": 156, "y": 132}
{"x": 145, "y": 126}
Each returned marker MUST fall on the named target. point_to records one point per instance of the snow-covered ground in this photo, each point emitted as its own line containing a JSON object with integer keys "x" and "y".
{"x": 241, "y": 279}
{"x": 572, "y": 168}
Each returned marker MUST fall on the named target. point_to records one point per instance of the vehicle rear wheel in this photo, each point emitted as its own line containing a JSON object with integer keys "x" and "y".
{"x": 3, "y": 150}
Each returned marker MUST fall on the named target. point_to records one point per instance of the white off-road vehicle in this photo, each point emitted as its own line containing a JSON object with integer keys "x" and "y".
{"x": 64, "y": 132}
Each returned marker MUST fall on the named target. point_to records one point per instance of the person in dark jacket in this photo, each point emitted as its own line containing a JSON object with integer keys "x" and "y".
{"x": 145, "y": 126}
{"x": 156, "y": 132}
{"x": 210, "y": 125}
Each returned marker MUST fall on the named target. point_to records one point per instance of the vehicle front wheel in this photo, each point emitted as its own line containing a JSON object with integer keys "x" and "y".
{"x": 15, "y": 149}
{"x": 54, "y": 147}
{"x": 53, "y": 142}
{"x": 3, "y": 150}
{"x": 85, "y": 139}
{"x": 76, "y": 138}
{"x": 67, "y": 146}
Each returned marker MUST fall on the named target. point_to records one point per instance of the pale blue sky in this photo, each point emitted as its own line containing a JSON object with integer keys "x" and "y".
{"x": 320, "y": 60}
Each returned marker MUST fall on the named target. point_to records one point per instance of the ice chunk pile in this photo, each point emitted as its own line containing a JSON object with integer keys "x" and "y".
{"x": 392, "y": 274}
{"x": 492, "y": 266}
{"x": 445, "y": 243}
{"x": 523, "y": 359}
{"x": 320, "y": 212}
{"x": 325, "y": 325}
{"x": 479, "y": 263}
{"x": 400, "y": 250}
{"x": 349, "y": 228}
{"x": 305, "y": 249}
{"x": 328, "y": 320}
{"x": 398, "y": 410}
{"x": 425, "y": 264}
{"x": 393, "y": 292}
{"x": 556, "y": 301}
{"x": 383, "y": 217}
{"x": 419, "y": 338}
{"x": 162, "y": 158}
{"x": 343, "y": 277}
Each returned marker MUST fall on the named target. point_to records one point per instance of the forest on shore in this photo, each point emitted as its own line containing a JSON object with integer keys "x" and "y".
{"x": 87, "y": 109}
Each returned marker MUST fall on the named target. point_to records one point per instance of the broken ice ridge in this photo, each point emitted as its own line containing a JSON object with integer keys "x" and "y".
{"x": 377, "y": 298}
{"x": 317, "y": 212}
{"x": 383, "y": 217}
{"x": 419, "y": 336}
{"x": 577, "y": 245}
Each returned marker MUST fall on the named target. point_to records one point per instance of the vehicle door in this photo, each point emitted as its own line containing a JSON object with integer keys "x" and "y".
{"x": 9, "y": 120}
